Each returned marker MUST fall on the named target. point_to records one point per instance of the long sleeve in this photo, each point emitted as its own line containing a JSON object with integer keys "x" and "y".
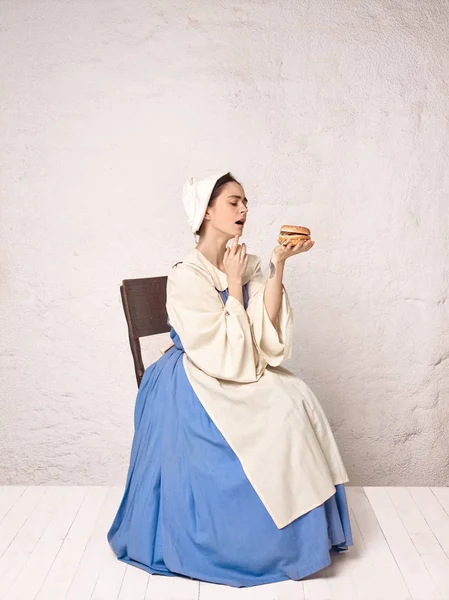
{"x": 273, "y": 343}
{"x": 217, "y": 338}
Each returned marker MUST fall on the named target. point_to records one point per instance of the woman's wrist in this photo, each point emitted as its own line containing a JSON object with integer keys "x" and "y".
{"x": 235, "y": 281}
{"x": 235, "y": 289}
{"x": 277, "y": 261}
{"x": 276, "y": 268}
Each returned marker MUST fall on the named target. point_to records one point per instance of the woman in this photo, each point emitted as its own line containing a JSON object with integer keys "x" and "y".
{"x": 234, "y": 475}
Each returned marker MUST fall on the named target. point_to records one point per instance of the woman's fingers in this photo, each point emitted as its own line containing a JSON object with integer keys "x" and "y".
{"x": 299, "y": 246}
{"x": 235, "y": 246}
{"x": 304, "y": 246}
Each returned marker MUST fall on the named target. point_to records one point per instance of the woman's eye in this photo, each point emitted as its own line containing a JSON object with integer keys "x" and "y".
{"x": 234, "y": 203}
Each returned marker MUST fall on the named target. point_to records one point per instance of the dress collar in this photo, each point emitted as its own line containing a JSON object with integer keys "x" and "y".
{"x": 220, "y": 278}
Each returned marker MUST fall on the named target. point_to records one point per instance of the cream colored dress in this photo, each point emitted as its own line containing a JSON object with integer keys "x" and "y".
{"x": 270, "y": 418}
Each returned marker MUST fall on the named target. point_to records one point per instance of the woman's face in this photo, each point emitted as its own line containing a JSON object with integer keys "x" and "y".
{"x": 230, "y": 207}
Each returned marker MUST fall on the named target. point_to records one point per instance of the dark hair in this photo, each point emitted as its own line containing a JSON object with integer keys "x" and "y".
{"x": 220, "y": 183}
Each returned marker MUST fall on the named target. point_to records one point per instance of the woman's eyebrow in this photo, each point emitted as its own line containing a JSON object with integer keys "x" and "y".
{"x": 238, "y": 197}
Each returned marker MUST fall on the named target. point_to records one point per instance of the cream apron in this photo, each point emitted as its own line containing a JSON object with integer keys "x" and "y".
{"x": 270, "y": 418}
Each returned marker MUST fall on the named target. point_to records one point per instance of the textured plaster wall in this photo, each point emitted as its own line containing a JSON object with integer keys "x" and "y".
{"x": 334, "y": 114}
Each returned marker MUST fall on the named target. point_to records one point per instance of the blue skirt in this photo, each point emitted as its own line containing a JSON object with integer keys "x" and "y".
{"x": 188, "y": 508}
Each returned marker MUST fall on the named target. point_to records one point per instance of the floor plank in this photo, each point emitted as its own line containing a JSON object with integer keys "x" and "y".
{"x": 316, "y": 586}
{"x": 53, "y": 546}
{"x": 135, "y": 583}
{"x": 97, "y": 550}
{"x": 347, "y": 568}
{"x": 434, "y": 514}
{"x": 415, "y": 574}
{"x": 368, "y": 584}
{"x": 391, "y": 583}
{"x": 284, "y": 590}
{"x": 426, "y": 544}
{"x": 442, "y": 494}
{"x": 19, "y": 512}
{"x": 23, "y": 544}
{"x": 9, "y": 494}
{"x": 38, "y": 565}
{"x": 64, "y": 567}
{"x": 171, "y": 588}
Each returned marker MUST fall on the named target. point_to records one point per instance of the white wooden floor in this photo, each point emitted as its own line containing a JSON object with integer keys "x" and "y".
{"x": 53, "y": 547}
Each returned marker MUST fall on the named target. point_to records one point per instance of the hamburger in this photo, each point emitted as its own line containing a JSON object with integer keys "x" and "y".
{"x": 293, "y": 234}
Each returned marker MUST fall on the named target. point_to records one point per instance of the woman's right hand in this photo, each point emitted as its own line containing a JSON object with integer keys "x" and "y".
{"x": 235, "y": 260}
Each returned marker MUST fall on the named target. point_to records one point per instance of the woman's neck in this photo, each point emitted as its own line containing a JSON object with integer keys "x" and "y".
{"x": 213, "y": 249}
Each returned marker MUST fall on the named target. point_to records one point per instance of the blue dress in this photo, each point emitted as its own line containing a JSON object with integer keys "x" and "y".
{"x": 188, "y": 508}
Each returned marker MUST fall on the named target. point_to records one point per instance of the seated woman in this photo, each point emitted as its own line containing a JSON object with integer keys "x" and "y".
{"x": 235, "y": 476}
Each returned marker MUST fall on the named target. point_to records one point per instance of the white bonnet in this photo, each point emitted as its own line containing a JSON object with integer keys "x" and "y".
{"x": 195, "y": 197}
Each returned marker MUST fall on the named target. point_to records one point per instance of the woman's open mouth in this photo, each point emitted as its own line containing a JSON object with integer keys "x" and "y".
{"x": 240, "y": 223}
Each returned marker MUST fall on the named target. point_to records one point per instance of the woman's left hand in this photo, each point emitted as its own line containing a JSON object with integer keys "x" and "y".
{"x": 281, "y": 253}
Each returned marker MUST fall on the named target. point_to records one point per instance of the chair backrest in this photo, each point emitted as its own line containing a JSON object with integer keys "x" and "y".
{"x": 144, "y": 306}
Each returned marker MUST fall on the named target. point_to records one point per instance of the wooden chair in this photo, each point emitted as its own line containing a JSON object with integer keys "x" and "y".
{"x": 144, "y": 305}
